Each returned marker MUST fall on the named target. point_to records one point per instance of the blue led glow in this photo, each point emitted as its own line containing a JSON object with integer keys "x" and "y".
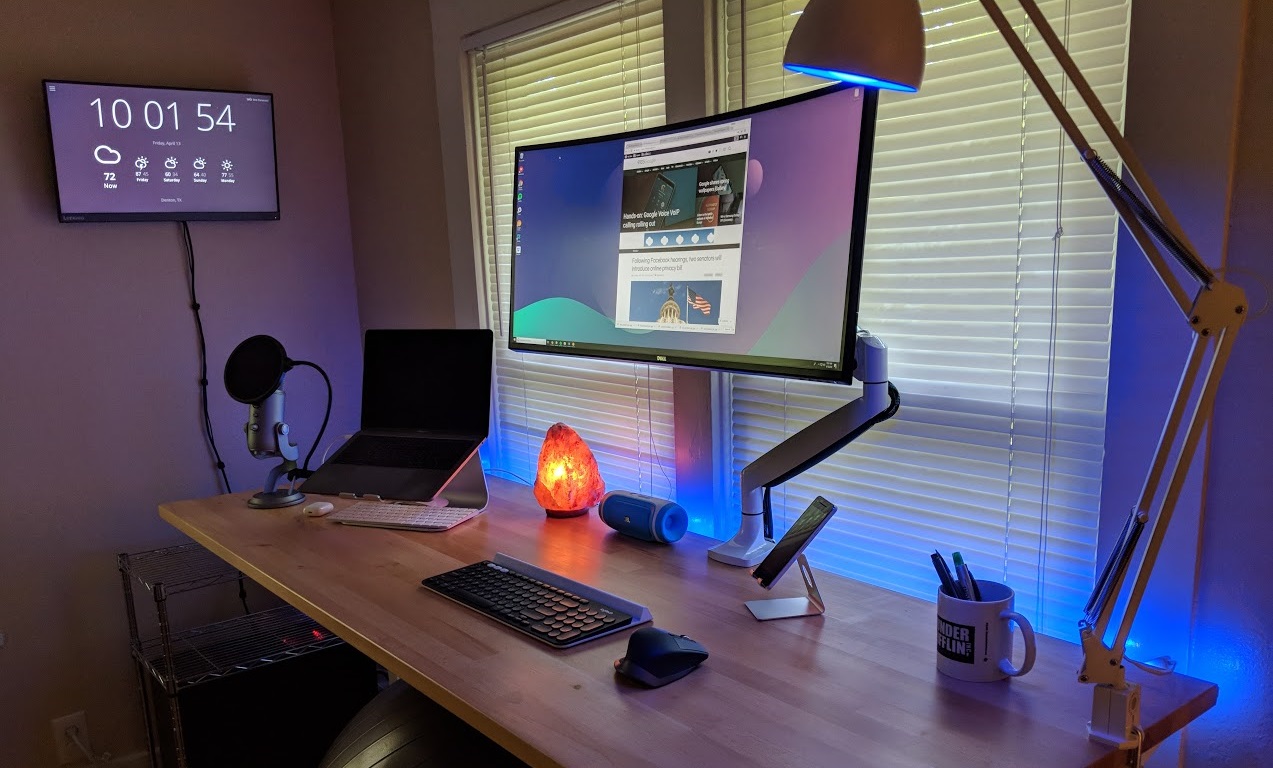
{"x": 851, "y": 78}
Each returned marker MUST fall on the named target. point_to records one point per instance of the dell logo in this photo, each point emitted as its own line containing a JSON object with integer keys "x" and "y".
{"x": 660, "y": 358}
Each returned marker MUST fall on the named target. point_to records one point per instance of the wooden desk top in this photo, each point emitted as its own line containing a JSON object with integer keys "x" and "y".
{"x": 854, "y": 687}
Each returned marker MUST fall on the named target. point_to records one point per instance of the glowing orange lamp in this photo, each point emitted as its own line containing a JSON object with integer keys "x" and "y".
{"x": 568, "y": 482}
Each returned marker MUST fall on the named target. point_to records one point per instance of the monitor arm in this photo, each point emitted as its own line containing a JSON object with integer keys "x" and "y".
{"x": 1214, "y": 311}
{"x": 804, "y": 449}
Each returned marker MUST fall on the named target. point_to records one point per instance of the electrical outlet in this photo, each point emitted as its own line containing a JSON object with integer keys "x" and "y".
{"x": 67, "y": 751}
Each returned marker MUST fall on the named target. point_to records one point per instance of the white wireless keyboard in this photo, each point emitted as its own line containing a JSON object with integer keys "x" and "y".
{"x": 409, "y": 517}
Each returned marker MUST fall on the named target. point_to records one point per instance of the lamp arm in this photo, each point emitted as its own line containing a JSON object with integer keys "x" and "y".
{"x": 1115, "y": 703}
{"x": 1191, "y": 409}
{"x": 879, "y": 401}
{"x": 1139, "y": 218}
{"x": 1214, "y": 310}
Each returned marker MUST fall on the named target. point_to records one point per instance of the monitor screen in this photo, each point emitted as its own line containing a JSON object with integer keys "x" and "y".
{"x": 732, "y": 242}
{"x": 138, "y": 153}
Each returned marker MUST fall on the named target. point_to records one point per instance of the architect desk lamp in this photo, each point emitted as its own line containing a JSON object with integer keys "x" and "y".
{"x": 880, "y": 43}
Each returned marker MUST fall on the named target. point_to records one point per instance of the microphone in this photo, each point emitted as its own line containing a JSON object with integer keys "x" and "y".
{"x": 254, "y": 376}
{"x": 266, "y": 430}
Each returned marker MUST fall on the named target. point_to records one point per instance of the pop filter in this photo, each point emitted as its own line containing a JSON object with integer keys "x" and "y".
{"x": 255, "y": 369}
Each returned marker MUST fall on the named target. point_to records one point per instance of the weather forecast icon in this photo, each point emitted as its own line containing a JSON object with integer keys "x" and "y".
{"x": 171, "y": 162}
{"x": 141, "y": 163}
{"x": 199, "y": 163}
{"x": 226, "y": 165}
{"x": 105, "y": 155}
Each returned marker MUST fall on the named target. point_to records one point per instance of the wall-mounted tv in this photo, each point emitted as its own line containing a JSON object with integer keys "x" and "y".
{"x": 148, "y": 153}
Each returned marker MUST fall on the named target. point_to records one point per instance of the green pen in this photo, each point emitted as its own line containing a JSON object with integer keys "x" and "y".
{"x": 966, "y": 583}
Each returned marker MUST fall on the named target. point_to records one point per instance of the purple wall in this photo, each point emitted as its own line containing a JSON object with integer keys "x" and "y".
{"x": 1233, "y": 636}
{"x": 1199, "y": 111}
{"x": 397, "y": 203}
{"x": 99, "y": 408}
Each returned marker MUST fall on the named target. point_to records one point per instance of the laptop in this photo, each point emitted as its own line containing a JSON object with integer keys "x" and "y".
{"x": 426, "y": 403}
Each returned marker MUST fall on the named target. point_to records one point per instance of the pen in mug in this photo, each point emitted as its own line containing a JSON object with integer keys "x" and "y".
{"x": 966, "y": 583}
{"x": 976, "y": 590}
{"x": 947, "y": 580}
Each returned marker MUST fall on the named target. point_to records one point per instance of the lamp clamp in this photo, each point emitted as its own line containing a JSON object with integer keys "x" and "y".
{"x": 1102, "y": 665}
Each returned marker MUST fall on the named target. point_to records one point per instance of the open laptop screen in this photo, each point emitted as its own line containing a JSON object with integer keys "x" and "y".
{"x": 435, "y": 380}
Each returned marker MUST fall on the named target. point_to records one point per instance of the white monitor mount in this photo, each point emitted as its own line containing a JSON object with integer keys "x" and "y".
{"x": 804, "y": 449}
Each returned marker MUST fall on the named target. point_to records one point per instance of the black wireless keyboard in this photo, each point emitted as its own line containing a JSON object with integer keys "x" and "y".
{"x": 552, "y": 613}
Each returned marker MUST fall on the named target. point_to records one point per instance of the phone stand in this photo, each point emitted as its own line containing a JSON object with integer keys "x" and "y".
{"x": 790, "y": 607}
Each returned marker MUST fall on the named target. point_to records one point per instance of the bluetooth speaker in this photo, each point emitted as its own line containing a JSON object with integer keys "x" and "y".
{"x": 644, "y": 517}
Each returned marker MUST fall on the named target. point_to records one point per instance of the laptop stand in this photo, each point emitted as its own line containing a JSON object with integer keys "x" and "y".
{"x": 468, "y": 488}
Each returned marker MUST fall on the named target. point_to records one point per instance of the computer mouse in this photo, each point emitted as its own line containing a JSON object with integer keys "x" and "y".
{"x": 319, "y": 508}
{"x": 657, "y": 657}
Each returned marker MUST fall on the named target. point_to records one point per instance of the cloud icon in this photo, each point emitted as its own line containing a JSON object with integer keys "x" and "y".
{"x": 105, "y": 155}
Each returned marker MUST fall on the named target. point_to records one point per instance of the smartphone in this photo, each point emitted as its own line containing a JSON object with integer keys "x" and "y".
{"x": 661, "y": 194}
{"x": 793, "y": 543}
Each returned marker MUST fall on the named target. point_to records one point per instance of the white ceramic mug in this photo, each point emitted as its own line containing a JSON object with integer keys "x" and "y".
{"x": 974, "y": 637}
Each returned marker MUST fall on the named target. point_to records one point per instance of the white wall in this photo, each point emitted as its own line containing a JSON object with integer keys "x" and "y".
{"x": 99, "y": 408}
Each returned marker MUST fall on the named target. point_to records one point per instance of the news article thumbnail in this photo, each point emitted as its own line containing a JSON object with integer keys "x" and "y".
{"x": 658, "y": 199}
{"x": 696, "y": 302}
{"x": 721, "y": 185}
{"x": 705, "y": 193}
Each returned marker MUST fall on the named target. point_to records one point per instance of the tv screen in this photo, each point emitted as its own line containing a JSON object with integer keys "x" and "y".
{"x": 142, "y": 153}
{"x": 733, "y": 242}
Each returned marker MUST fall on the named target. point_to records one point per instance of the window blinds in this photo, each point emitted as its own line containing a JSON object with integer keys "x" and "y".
{"x": 595, "y": 73}
{"x": 989, "y": 275}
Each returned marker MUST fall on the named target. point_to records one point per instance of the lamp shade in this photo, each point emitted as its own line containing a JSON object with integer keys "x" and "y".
{"x": 877, "y": 43}
{"x": 567, "y": 482}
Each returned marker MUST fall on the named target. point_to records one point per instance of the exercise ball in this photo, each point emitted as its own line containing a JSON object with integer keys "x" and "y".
{"x": 403, "y": 728}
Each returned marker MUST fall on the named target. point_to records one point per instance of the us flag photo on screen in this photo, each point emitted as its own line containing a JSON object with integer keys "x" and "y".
{"x": 698, "y": 302}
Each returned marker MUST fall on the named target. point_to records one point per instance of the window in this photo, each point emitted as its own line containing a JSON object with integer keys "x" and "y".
{"x": 594, "y": 73}
{"x": 989, "y": 274}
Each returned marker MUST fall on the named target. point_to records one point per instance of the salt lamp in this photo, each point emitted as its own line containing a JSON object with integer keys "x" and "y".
{"x": 568, "y": 482}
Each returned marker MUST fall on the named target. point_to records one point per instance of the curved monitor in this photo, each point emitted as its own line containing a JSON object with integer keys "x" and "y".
{"x": 732, "y": 242}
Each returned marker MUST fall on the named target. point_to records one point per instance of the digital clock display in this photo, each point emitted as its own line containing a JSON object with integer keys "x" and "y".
{"x": 141, "y": 153}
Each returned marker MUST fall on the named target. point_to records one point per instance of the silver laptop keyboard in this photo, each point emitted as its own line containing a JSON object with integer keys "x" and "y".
{"x": 411, "y": 517}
